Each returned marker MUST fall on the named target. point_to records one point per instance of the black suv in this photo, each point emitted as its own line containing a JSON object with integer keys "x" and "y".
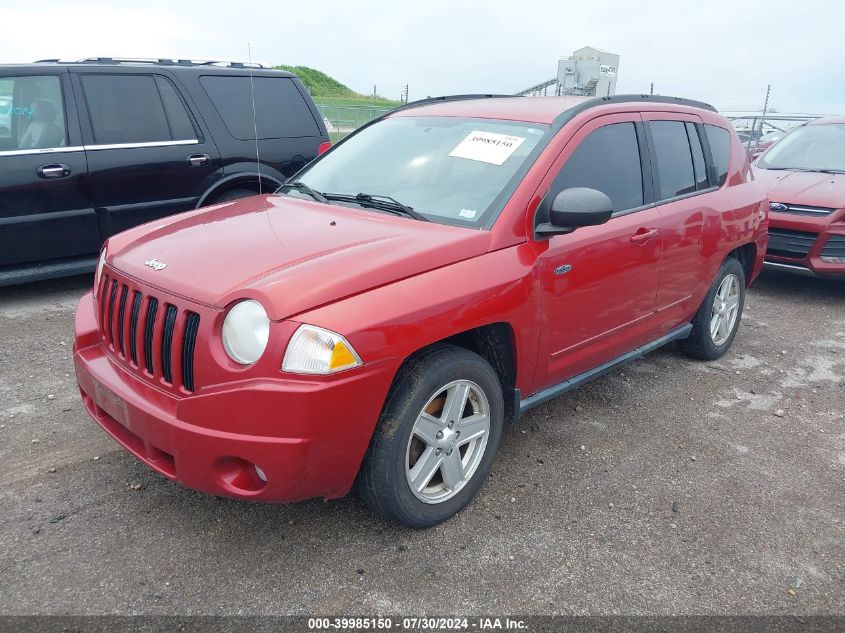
{"x": 91, "y": 148}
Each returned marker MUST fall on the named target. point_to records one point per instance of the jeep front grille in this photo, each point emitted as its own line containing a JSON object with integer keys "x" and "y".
{"x": 150, "y": 335}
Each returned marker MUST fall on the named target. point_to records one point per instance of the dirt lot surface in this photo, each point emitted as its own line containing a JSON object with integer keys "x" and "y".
{"x": 671, "y": 486}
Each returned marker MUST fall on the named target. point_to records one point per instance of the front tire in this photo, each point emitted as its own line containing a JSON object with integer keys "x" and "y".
{"x": 436, "y": 438}
{"x": 716, "y": 323}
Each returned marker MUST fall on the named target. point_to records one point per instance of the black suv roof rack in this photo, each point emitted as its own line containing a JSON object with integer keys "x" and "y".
{"x": 160, "y": 61}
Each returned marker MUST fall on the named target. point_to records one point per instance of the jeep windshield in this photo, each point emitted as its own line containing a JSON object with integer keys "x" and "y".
{"x": 451, "y": 170}
{"x": 809, "y": 148}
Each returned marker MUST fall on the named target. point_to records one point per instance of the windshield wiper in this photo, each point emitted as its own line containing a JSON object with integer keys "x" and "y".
{"x": 303, "y": 188}
{"x": 807, "y": 170}
{"x": 383, "y": 203}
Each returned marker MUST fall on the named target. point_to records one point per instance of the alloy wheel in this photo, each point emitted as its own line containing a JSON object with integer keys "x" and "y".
{"x": 448, "y": 441}
{"x": 725, "y": 310}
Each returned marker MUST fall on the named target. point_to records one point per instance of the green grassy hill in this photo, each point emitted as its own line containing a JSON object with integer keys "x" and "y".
{"x": 326, "y": 89}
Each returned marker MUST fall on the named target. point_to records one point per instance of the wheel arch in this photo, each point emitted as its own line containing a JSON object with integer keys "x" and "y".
{"x": 259, "y": 183}
{"x": 495, "y": 343}
{"x": 747, "y": 256}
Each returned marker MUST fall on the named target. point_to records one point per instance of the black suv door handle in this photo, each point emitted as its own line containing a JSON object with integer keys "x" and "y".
{"x": 198, "y": 160}
{"x": 53, "y": 171}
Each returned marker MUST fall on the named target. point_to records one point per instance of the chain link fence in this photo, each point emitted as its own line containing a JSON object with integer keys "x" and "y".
{"x": 344, "y": 119}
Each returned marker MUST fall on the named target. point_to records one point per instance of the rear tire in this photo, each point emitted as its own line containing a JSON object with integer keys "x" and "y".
{"x": 716, "y": 323}
{"x": 436, "y": 438}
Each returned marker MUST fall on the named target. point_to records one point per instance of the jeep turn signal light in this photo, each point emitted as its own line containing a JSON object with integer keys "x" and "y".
{"x": 313, "y": 350}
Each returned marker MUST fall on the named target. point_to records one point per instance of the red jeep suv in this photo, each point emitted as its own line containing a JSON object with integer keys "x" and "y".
{"x": 379, "y": 318}
{"x": 804, "y": 177}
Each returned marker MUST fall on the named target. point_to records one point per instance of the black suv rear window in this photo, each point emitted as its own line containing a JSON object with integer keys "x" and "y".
{"x": 720, "y": 146}
{"x": 280, "y": 110}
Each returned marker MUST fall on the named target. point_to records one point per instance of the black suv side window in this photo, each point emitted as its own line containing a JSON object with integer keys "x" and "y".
{"x": 608, "y": 159}
{"x": 673, "y": 159}
{"x": 720, "y": 146}
{"x": 280, "y": 110}
{"x": 131, "y": 109}
{"x": 32, "y": 113}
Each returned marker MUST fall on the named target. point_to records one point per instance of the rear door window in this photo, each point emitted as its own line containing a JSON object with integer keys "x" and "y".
{"x": 608, "y": 159}
{"x": 720, "y": 146}
{"x": 131, "y": 109}
{"x": 178, "y": 118}
{"x": 32, "y": 113}
{"x": 673, "y": 159}
{"x": 697, "y": 157}
{"x": 280, "y": 110}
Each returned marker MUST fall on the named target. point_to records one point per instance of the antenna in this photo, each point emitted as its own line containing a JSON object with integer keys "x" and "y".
{"x": 254, "y": 118}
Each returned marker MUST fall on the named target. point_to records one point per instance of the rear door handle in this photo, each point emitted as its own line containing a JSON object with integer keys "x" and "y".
{"x": 53, "y": 171}
{"x": 643, "y": 235}
{"x": 198, "y": 160}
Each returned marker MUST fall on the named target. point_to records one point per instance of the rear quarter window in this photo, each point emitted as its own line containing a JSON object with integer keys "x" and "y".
{"x": 280, "y": 110}
{"x": 720, "y": 146}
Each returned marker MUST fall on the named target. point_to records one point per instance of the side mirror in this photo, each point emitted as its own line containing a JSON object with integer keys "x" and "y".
{"x": 576, "y": 207}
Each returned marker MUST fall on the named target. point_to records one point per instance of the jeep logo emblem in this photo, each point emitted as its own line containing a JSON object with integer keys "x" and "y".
{"x": 155, "y": 264}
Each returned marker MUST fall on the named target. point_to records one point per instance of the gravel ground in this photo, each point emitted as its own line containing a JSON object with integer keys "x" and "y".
{"x": 670, "y": 487}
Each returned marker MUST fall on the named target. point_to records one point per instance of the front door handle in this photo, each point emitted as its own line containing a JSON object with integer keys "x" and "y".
{"x": 643, "y": 235}
{"x": 198, "y": 160}
{"x": 53, "y": 171}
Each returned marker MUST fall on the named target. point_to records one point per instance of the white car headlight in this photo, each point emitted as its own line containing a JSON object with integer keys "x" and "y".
{"x": 98, "y": 275}
{"x": 246, "y": 330}
{"x": 313, "y": 350}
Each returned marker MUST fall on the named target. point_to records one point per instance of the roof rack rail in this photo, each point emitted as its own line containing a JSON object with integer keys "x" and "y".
{"x": 657, "y": 99}
{"x": 161, "y": 61}
{"x": 591, "y": 102}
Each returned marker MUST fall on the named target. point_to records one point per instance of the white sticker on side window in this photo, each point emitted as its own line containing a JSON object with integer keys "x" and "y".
{"x": 487, "y": 147}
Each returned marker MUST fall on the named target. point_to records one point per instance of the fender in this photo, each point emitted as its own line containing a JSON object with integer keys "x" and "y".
{"x": 497, "y": 287}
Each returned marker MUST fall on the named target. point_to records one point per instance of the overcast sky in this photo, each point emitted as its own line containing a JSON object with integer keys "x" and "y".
{"x": 721, "y": 52}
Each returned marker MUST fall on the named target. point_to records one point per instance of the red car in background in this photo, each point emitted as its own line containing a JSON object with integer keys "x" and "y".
{"x": 381, "y": 317}
{"x": 804, "y": 176}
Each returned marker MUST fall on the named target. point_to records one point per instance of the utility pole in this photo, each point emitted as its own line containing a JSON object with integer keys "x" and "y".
{"x": 651, "y": 90}
{"x": 766, "y": 103}
{"x": 762, "y": 119}
{"x": 373, "y": 104}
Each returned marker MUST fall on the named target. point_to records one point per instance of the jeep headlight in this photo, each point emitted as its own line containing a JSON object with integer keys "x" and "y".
{"x": 99, "y": 273}
{"x": 313, "y": 350}
{"x": 246, "y": 330}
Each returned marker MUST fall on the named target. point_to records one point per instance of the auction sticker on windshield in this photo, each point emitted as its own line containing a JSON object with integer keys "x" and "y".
{"x": 487, "y": 147}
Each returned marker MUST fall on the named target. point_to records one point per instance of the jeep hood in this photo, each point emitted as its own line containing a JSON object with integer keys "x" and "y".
{"x": 802, "y": 187}
{"x": 290, "y": 254}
